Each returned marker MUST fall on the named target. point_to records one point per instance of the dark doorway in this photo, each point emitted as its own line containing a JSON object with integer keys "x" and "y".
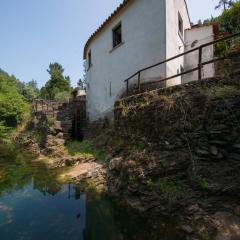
{"x": 79, "y": 121}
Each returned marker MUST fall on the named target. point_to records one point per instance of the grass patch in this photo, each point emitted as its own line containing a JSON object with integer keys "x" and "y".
{"x": 170, "y": 190}
{"x": 51, "y": 121}
{"x": 140, "y": 146}
{"x": 37, "y": 137}
{"x": 84, "y": 149}
{"x": 222, "y": 92}
{"x": 201, "y": 182}
{"x": 132, "y": 180}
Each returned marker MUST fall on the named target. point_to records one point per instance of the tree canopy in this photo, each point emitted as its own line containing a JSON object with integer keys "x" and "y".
{"x": 225, "y": 4}
{"x": 230, "y": 19}
{"x": 13, "y": 103}
{"x": 58, "y": 84}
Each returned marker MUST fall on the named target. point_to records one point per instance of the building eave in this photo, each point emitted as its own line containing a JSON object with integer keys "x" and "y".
{"x": 187, "y": 11}
{"x": 119, "y": 9}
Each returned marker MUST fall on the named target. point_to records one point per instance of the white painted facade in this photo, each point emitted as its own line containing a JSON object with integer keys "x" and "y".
{"x": 175, "y": 40}
{"x": 150, "y": 34}
{"x": 195, "y": 37}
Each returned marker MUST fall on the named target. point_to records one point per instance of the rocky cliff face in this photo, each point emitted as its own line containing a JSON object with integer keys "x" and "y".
{"x": 176, "y": 152}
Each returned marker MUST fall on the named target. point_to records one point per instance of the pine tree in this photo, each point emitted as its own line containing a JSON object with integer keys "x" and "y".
{"x": 225, "y": 4}
{"x": 57, "y": 82}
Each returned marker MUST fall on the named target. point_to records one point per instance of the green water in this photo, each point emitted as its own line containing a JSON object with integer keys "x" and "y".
{"x": 34, "y": 205}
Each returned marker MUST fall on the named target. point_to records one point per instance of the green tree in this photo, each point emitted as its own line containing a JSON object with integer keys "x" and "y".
{"x": 57, "y": 82}
{"x": 33, "y": 85}
{"x": 230, "y": 19}
{"x": 55, "y": 67}
{"x": 13, "y": 105}
{"x": 30, "y": 90}
{"x": 225, "y": 4}
{"x": 81, "y": 84}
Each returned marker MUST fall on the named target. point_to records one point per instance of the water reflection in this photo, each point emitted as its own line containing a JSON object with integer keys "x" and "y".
{"x": 35, "y": 206}
{"x": 17, "y": 169}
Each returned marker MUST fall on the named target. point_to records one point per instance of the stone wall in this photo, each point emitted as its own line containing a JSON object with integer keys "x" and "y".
{"x": 69, "y": 117}
{"x": 182, "y": 155}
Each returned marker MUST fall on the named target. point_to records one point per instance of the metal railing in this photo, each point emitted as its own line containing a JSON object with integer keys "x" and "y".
{"x": 199, "y": 67}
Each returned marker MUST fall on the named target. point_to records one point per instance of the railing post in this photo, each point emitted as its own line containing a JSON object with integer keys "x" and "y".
{"x": 139, "y": 79}
{"x": 127, "y": 87}
{"x": 200, "y": 64}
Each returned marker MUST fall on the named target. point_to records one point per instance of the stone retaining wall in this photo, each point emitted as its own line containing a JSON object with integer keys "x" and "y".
{"x": 182, "y": 154}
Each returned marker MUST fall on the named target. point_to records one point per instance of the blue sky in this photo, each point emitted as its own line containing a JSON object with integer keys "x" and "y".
{"x": 35, "y": 33}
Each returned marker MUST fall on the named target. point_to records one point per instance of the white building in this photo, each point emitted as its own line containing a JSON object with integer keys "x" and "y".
{"x": 138, "y": 34}
{"x": 194, "y": 37}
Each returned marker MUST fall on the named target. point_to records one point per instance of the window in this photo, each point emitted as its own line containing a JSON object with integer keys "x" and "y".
{"x": 117, "y": 35}
{"x": 89, "y": 59}
{"x": 180, "y": 24}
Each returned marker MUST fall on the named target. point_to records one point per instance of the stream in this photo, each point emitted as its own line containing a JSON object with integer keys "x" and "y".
{"x": 34, "y": 205}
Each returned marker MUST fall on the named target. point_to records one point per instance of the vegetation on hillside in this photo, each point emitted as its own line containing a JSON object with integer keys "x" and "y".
{"x": 225, "y": 4}
{"x": 16, "y": 96}
{"x": 230, "y": 19}
{"x": 14, "y": 101}
{"x": 229, "y": 23}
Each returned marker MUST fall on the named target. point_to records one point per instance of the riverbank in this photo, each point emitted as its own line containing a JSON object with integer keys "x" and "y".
{"x": 32, "y": 194}
{"x": 175, "y": 153}
{"x": 169, "y": 154}
{"x": 43, "y": 137}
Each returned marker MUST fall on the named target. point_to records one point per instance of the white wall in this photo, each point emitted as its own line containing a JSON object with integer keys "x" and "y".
{"x": 175, "y": 42}
{"x": 194, "y": 38}
{"x": 143, "y": 33}
{"x": 150, "y": 34}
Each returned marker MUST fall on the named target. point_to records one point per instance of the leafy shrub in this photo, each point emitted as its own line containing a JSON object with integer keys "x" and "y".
{"x": 12, "y": 108}
{"x": 13, "y": 105}
{"x": 62, "y": 95}
{"x": 230, "y": 19}
{"x": 3, "y": 130}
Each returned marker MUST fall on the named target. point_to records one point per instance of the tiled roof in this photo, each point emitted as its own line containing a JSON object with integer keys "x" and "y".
{"x": 108, "y": 20}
